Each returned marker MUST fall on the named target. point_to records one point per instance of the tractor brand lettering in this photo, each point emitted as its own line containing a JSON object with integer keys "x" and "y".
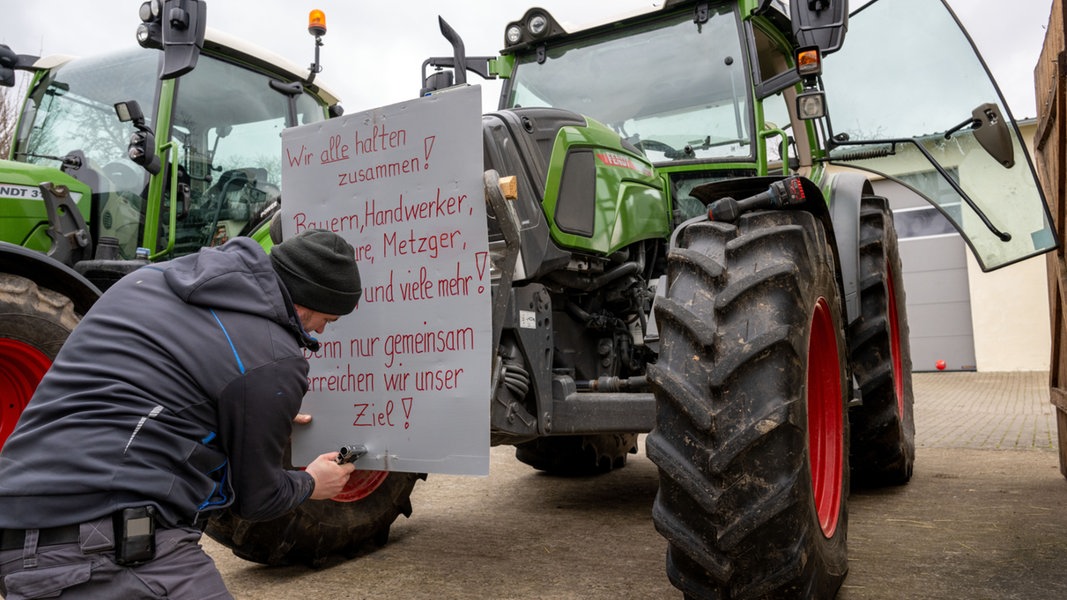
{"x": 612, "y": 159}
{"x": 19, "y": 192}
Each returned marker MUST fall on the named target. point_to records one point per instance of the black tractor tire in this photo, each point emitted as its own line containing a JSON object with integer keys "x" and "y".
{"x": 34, "y": 323}
{"x": 317, "y": 530}
{"x": 751, "y": 385}
{"x": 578, "y": 455}
{"x": 883, "y": 425}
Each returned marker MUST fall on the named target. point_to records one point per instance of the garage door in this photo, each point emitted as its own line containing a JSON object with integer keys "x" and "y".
{"x": 934, "y": 262}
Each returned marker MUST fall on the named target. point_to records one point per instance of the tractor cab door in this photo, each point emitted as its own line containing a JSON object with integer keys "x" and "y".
{"x": 909, "y": 98}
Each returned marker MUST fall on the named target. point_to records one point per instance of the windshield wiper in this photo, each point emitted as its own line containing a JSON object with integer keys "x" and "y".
{"x": 842, "y": 140}
{"x": 668, "y": 151}
{"x": 71, "y": 160}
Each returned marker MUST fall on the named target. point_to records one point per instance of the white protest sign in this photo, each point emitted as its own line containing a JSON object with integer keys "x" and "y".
{"x": 407, "y": 373}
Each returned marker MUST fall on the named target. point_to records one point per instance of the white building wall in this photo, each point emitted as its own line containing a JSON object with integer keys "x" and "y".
{"x": 1009, "y": 310}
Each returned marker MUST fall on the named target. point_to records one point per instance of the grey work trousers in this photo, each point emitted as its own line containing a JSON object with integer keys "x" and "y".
{"x": 87, "y": 569}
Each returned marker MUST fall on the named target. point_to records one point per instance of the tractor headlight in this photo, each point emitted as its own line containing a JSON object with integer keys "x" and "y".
{"x": 150, "y": 10}
{"x": 535, "y": 25}
{"x": 538, "y": 24}
{"x": 811, "y": 105}
{"x": 513, "y": 34}
{"x": 150, "y": 31}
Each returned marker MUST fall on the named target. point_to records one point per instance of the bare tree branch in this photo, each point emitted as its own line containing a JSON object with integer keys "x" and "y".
{"x": 10, "y": 102}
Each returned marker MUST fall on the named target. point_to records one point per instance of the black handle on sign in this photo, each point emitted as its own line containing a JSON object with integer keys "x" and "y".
{"x": 350, "y": 453}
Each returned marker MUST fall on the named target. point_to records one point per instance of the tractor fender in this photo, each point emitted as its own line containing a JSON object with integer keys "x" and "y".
{"x": 846, "y": 191}
{"x": 839, "y": 215}
{"x": 49, "y": 273}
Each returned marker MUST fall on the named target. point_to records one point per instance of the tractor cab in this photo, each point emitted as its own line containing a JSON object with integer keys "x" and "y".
{"x": 715, "y": 91}
{"x": 158, "y": 158}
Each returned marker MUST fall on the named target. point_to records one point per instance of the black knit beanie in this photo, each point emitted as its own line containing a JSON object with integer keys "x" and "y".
{"x": 319, "y": 270}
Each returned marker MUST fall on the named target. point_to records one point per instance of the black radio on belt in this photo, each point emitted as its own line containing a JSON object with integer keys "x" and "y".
{"x": 135, "y": 535}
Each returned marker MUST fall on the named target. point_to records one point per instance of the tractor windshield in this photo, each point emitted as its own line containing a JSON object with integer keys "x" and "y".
{"x": 225, "y": 124}
{"x": 642, "y": 84}
{"x": 226, "y": 128}
{"x": 72, "y": 109}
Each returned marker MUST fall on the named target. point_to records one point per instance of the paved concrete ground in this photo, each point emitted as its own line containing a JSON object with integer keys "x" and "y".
{"x": 984, "y": 411}
{"x": 985, "y": 517}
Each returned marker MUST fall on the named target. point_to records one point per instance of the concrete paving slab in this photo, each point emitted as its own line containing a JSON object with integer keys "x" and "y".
{"x": 984, "y": 411}
{"x": 975, "y": 524}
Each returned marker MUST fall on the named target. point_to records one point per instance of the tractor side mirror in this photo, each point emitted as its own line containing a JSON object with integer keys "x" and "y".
{"x": 438, "y": 80}
{"x": 177, "y": 27}
{"x": 991, "y": 131}
{"x": 11, "y": 62}
{"x": 8, "y": 59}
{"x": 142, "y": 146}
{"x": 820, "y": 23}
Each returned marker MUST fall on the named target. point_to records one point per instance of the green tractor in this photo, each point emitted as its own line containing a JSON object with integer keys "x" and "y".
{"x": 695, "y": 251}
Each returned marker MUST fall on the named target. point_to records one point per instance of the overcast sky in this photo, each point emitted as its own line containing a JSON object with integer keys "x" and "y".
{"x": 373, "y": 51}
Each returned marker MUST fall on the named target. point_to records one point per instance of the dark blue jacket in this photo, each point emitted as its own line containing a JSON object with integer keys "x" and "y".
{"x": 177, "y": 389}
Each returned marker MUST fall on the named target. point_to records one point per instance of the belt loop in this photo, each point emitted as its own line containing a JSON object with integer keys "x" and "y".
{"x": 29, "y": 549}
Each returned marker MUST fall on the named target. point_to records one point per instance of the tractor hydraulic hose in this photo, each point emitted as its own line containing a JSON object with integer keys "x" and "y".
{"x": 782, "y": 193}
{"x": 583, "y": 316}
{"x": 516, "y": 380}
{"x": 638, "y": 383}
{"x": 587, "y": 284}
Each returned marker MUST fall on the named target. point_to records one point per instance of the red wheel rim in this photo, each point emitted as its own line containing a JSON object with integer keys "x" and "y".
{"x": 825, "y": 425}
{"x": 21, "y": 368}
{"x": 894, "y": 339}
{"x": 360, "y": 485}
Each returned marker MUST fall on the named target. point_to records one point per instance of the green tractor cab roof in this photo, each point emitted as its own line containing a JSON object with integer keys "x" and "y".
{"x": 220, "y": 43}
{"x": 823, "y": 27}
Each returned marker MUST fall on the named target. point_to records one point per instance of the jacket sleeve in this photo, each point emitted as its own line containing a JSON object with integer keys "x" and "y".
{"x": 255, "y": 415}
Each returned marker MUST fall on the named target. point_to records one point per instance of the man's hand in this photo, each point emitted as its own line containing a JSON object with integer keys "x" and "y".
{"x": 302, "y": 419}
{"x": 330, "y": 477}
